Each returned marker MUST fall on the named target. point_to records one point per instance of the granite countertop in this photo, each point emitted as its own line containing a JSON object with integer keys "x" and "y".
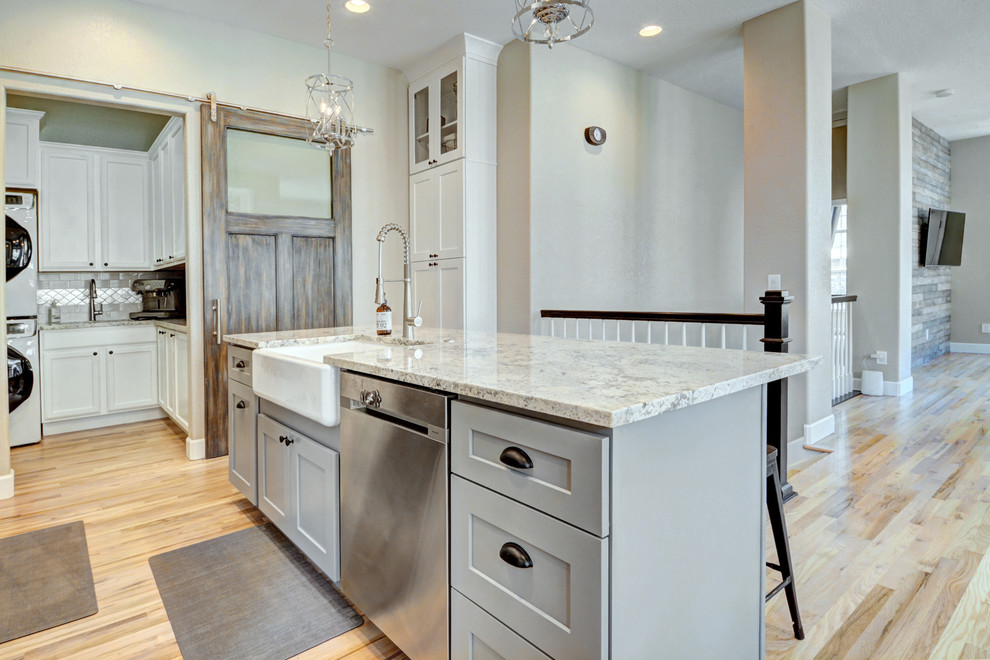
{"x": 91, "y": 324}
{"x": 179, "y": 325}
{"x": 605, "y": 384}
{"x": 172, "y": 324}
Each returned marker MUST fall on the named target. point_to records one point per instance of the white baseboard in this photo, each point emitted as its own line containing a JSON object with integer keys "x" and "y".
{"x": 99, "y": 421}
{"x": 196, "y": 449}
{"x": 891, "y": 387}
{"x": 817, "y": 430}
{"x": 960, "y": 347}
{"x": 7, "y": 485}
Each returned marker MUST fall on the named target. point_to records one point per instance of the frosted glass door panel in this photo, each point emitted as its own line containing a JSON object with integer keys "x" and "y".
{"x": 272, "y": 175}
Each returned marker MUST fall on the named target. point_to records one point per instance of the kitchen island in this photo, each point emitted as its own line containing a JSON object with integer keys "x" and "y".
{"x": 641, "y": 511}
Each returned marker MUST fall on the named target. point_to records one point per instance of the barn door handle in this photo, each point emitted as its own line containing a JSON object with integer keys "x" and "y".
{"x": 514, "y": 555}
{"x": 217, "y": 319}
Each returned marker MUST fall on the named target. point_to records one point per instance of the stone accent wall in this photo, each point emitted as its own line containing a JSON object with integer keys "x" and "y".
{"x": 931, "y": 304}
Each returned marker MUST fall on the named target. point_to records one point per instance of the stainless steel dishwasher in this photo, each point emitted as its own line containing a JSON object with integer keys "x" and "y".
{"x": 393, "y": 510}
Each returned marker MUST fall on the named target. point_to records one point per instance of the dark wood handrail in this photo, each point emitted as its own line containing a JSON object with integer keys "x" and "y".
{"x": 844, "y": 299}
{"x": 660, "y": 317}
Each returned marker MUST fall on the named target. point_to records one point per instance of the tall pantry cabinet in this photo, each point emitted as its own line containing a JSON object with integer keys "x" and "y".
{"x": 452, "y": 172}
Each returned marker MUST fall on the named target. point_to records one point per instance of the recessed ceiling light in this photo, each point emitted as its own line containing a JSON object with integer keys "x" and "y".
{"x": 650, "y": 31}
{"x": 357, "y": 6}
{"x": 944, "y": 93}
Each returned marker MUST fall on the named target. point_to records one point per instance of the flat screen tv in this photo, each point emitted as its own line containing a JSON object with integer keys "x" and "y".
{"x": 942, "y": 238}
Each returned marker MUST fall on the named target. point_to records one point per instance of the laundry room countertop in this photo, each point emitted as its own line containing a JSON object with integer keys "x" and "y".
{"x": 91, "y": 324}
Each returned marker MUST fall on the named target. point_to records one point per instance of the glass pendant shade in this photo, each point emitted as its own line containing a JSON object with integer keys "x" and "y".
{"x": 551, "y": 21}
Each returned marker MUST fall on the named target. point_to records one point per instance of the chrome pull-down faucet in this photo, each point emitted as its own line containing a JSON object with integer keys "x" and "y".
{"x": 93, "y": 312}
{"x": 410, "y": 321}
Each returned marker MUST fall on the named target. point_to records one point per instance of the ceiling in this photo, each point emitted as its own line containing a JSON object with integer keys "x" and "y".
{"x": 936, "y": 44}
{"x": 92, "y": 125}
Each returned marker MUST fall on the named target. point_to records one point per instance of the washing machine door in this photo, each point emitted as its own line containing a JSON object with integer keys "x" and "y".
{"x": 20, "y": 379}
{"x": 19, "y": 248}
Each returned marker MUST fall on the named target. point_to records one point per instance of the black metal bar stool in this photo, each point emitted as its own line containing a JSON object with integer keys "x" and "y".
{"x": 775, "y": 506}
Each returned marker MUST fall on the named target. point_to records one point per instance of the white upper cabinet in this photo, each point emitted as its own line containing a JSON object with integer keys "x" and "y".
{"x": 96, "y": 209}
{"x": 68, "y": 217}
{"x": 125, "y": 209}
{"x": 22, "y": 168}
{"x": 167, "y": 154}
{"x": 435, "y": 109}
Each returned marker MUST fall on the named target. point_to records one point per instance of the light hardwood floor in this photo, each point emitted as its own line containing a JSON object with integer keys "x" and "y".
{"x": 890, "y": 533}
{"x": 139, "y": 497}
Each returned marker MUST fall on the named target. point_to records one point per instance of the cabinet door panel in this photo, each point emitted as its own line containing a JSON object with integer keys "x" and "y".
{"x": 450, "y": 278}
{"x": 426, "y": 288}
{"x": 420, "y": 149}
{"x": 164, "y": 371}
{"x": 132, "y": 377}
{"x": 20, "y": 155}
{"x": 449, "y": 112}
{"x": 178, "y": 194}
{"x": 180, "y": 378}
{"x": 273, "y": 472}
{"x": 424, "y": 215}
{"x": 124, "y": 202}
{"x": 316, "y": 517}
{"x": 68, "y": 234}
{"x": 71, "y": 383}
{"x": 242, "y": 468}
{"x": 450, "y": 219}
{"x": 157, "y": 212}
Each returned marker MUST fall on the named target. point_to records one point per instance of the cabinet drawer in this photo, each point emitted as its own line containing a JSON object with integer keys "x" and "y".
{"x": 569, "y": 474}
{"x": 239, "y": 364}
{"x": 558, "y": 603}
{"x": 477, "y": 635}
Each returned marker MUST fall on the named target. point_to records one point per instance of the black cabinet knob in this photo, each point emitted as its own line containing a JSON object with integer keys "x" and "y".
{"x": 240, "y": 364}
{"x": 171, "y": 257}
{"x": 514, "y": 555}
{"x": 90, "y": 263}
{"x": 105, "y": 264}
{"x": 111, "y": 352}
{"x": 282, "y": 439}
{"x": 288, "y": 441}
{"x": 95, "y": 353}
{"x": 241, "y": 405}
{"x": 171, "y": 334}
{"x": 516, "y": 458}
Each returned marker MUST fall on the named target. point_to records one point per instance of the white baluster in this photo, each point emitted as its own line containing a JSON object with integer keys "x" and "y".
{"x": 723, "y": 335}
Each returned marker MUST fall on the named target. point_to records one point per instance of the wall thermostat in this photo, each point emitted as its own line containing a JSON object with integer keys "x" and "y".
{"x": 595, "y": 135}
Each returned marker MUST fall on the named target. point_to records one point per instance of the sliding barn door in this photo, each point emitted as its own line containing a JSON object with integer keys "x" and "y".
{"x": 276, "y": 240}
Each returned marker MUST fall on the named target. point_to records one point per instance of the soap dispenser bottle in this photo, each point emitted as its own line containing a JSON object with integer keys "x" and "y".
{"x": 383, "y": 318}
{"x": 54, "y": 313}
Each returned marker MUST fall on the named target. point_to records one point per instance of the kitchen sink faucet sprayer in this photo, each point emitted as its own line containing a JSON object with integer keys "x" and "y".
{"x": 410, "y": 322}
{"x": 93, "y": 312}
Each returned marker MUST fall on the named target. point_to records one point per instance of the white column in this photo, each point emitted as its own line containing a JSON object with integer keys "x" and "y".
{"x": 788, "y": 175}
{"x": 879, "y": 184}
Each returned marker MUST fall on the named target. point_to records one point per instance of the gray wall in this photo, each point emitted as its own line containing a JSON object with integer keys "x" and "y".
{"x": 651, "y": 220}
{"x": 971, "y": 195}
{"x": 931, "y": 287}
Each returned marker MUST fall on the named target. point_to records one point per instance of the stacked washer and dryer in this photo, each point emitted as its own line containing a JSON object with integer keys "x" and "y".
{"x": 23, "y": 357}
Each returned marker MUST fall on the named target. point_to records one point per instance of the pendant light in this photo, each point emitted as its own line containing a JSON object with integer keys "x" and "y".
{"x": 330, "y": 106}
{"x": 551, "y": 21}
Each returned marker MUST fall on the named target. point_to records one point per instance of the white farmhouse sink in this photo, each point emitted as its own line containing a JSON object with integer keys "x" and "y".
{"x": 295, "y": 377}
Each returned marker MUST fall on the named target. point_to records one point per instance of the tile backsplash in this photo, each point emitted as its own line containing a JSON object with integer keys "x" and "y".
{"x": 70, "y": 292}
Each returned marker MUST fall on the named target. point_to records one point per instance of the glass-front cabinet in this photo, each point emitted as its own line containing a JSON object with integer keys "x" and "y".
{"x": 435, "y": 117}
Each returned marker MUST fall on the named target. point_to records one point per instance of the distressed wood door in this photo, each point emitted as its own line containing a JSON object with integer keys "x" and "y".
{"x": 276, "y": 240}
